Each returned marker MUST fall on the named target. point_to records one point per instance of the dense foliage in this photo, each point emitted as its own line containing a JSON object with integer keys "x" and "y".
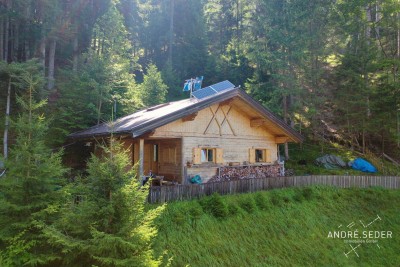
{"x": 104, "y": 221}
{"x": 330, "y": 68}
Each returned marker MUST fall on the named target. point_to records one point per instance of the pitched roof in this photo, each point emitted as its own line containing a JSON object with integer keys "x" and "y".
{"x": 147, "y": 120}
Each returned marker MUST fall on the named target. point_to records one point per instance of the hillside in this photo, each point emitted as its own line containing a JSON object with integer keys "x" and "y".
{"x": 303, "y": 156}
{"x": 288, "y": 227}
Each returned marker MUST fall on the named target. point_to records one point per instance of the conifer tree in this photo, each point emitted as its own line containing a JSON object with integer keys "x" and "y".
{"x": 108, "y": 223}
{"x": 153, "y": 89}
{"x": 29, "y": 191}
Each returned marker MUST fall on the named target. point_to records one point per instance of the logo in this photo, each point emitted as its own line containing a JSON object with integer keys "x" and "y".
{"x": 360, "y": 234}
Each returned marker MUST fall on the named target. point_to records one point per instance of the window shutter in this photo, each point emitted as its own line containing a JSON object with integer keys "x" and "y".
{"x": 268, "y": 155}
{"x": 219, "y": 155}
{"x": 252, "y": 155}
{"x": 196, "y": 155}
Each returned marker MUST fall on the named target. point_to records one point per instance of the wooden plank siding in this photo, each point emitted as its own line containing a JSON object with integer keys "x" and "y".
{"x": 161, "y": 194}
{"x": 224, "y": 127}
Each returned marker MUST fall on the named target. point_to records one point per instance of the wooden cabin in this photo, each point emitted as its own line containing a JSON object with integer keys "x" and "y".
{"x": 217, "y": 128}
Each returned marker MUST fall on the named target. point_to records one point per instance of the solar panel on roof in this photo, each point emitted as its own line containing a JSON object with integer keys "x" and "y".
{"x": 222, "y": 86}
{"x": 213, "y": 89}
{"x": 204, "y": 92}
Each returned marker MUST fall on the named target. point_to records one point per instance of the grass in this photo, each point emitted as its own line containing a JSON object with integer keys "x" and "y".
{"x": 287, "y": 227}
{"x": 309, "y": 152}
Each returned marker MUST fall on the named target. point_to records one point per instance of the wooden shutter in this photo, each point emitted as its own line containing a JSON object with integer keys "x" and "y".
{"x": 219, "y": 158}
{"x": 252, "y": 155}
{"x": 196, "y": 155}
{"x": 268, "y": 155}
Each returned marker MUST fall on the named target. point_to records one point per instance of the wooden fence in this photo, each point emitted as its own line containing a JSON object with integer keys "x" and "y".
{"x": 161, "y": 194}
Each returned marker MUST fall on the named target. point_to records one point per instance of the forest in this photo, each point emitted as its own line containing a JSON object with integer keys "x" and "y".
{"x": 329, "y": 68}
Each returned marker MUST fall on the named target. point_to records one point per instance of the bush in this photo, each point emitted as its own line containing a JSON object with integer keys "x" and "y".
{"x": 233, "y": 209}
{"x": 195, "y": 213}
{"x": 248, "y": 204}
{"x": 276, "y": 199}
{"x": 261, "y": 201}
{"x": 298, "y": 195}
{"x": 215, "y": 206}
{"x": 308, "y": 193}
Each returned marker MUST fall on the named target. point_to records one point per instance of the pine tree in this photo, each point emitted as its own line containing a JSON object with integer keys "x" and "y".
{"x": 153, "y": 89}
{"x": 109, "y": 223}
{"x": 29, "y": 191}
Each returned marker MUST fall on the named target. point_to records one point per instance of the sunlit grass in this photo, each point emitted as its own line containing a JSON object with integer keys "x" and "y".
{"x": 289, "y": 229}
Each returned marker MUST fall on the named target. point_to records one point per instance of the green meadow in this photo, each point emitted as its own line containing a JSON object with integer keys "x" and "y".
{"x": 286, "y": 227}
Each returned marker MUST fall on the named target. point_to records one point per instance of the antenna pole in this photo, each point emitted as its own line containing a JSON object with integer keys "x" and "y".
{"x": 191, "y": 87}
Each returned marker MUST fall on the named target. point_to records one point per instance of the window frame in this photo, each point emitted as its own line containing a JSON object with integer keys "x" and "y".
{"x": 207, "y": 155}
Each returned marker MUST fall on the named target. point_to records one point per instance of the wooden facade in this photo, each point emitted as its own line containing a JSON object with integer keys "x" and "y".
{"x": 174, "y": 150}
{"x": 182, "y": 139}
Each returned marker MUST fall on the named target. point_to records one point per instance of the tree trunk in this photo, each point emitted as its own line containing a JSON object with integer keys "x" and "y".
{"x": 12, "y": 44}
{"x": 7, "y": 120}
{"x": 52, "y": 53}
{"x": 368, "y": 27}
{"x": 42, "y": 54}
{"x": 171, "y": 30}
{"x": 99, "y": 107}
{"x": 75, "y": 55}
{"x": 377, "y": 19}
{"x": 285, "y": 114}
{"x": 16, "y": 54}
{"x": 1, "y": 39}
{"x": 27, "y": 53}
{"x": 6, "y": 38}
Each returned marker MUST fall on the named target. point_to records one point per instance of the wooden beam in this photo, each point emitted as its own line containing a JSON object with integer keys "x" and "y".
{"x": 257, "y": 122}
{"x": 190, "y": 117}
{"x": 226, "y": 102}
{"x": 148, "y": 134}
{"x": 282, "y": 139}
{"x": 141, "y": 157}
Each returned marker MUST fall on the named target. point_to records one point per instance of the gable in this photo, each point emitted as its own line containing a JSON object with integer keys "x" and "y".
{"x": 225, "y": 119}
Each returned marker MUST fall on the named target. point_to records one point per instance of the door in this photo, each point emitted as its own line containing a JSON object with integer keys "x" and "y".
{"x": 150, "y": 160}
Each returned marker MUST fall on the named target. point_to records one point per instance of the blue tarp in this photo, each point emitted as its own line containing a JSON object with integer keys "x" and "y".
{"x": 363, "y": 165}
{"x": 196, "y": 179}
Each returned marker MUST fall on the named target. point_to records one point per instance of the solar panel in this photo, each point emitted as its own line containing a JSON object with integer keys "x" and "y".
{"x": 204, "y": 92}
{"x": 213, "y": 89}
{"x": 222, "y": 86}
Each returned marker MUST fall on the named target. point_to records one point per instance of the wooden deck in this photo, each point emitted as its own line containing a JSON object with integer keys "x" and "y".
{"x": 161, "y": 194}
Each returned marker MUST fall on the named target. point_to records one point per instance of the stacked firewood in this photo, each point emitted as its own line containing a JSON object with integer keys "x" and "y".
{"x": 246, "y": 172}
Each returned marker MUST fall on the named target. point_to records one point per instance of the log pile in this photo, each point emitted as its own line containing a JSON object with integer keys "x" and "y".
{"x": 229, "y": 173}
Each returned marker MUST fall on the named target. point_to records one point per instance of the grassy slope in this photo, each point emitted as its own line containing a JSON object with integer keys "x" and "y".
{"x": 309, "y": 152}
{"x": 287, "y": 227}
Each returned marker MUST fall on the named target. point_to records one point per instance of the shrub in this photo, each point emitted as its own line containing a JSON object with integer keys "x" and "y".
{"x": 298, "y": 195}
{"x": 248, "y": 204}
{"x": 276, "y": 199}
{"x": 233, "y": 209}
{"x": 215, "y": 206}
{"x": 195, "y": 213}
{"x": 308, "y": 193}
{"x": 261, "y": 201}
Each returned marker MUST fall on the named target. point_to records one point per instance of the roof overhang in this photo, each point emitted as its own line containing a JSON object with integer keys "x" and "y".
{"x": 286, "y": 134}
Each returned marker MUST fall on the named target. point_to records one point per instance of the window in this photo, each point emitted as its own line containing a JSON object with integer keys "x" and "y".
{"x": 204, "y": 155}
{"x": 207, "y": 155}
{"x": 155, "y": 153}
{"x": 259, "y": 155}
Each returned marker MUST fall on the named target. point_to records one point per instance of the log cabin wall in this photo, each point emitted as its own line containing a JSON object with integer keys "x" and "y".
{"x": 220, "y": 126}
